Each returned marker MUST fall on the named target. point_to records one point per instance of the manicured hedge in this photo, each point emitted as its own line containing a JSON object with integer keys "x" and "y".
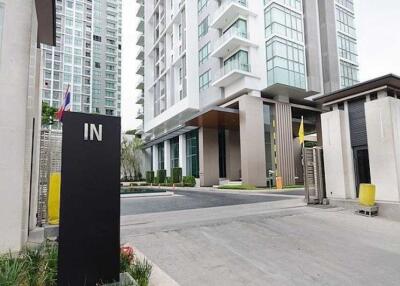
{"x": 162, "y": 176}
{"x": 149, "y": 177}
{"x": 176, "y": 175}
{"x": 189, "y": 181}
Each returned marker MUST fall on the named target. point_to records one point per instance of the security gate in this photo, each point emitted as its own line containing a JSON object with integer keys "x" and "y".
{"x": 50, "y": 161}
{"x": 314, "y": 177}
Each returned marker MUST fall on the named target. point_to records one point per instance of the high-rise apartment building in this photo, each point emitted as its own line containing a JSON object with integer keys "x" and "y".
{"x": 227, "y": 82}
{"x": 87, "y": 56}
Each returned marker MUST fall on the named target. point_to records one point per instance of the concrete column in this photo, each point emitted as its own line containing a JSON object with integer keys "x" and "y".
{"x": 233, "y": 164}
{"x": 339, "y": 172}
{"x": 318, "y": 128}
{"x": 182, "y": 153}
{"x": 284, "y": 143}
{"x": 349, "y": 162}
{"x": 155, "y": 158}
{"x": 382, "y": 94}
{"x": 167, "y": 157}
{"x": 16, "y": 109}
{"x": 383, "y": 125}
{"x": 252, "y": 143}
{"x": 208, "y": 153}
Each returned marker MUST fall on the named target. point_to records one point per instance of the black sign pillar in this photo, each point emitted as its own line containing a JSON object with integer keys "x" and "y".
{"x": 89, "y": 238}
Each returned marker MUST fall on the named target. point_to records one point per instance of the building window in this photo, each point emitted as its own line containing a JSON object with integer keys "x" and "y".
{"x": 174, "y": 146}
{"x": 284, "y": 22}
{"x": 239, "y": 27}
{"x": 204, "y": 80}
{"x": 97, "y": 38}
{"x": 348, "y": 74}
{"x": 203, "y": 27}
{"x": 201, "y": 4}
{"x": 160, "y": 151}
{"x": 347, "y": 47}
{"x": 204, "y": 53}
{"x": 345, "y": 21}
{"x": 192, "y": 153}
{"x": 239, "y": 61}
{"x": 285, "y": 63}
{"x": 109, "y": 112}
{"x": 295, "y": 4}
{"x": 346, "y": 3}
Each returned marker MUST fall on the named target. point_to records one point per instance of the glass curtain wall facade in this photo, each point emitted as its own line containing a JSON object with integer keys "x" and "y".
{"x": 285, "y": 45}
{"x": 347, "y": 43}
{"x": 192, "y": 153}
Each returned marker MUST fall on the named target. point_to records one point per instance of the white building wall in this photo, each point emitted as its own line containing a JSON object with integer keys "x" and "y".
{"x": 17, "y": 85}
{"x": 383, "y": 130}
{"x": 339, "y": 173}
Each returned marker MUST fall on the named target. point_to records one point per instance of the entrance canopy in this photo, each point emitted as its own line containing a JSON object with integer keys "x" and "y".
{"x": 216, "y": 117}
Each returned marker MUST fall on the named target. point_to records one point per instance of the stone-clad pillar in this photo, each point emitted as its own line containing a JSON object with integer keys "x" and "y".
{"x": 209, "y": 157}
{"x": 233, "y": 167}
{"x": 284, "y": 143}
{"x": 252, "y": 143}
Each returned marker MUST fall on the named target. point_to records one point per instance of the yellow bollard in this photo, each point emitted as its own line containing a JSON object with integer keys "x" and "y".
{"x": 279, "y": 183}
{"x": 54, "y": 198}
{"x": 367, "y": 195}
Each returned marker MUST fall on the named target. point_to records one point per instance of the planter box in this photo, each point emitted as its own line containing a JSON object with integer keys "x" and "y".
{"x": 124, "y": 280}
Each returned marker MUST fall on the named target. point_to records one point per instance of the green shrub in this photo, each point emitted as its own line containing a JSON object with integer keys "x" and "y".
{"x": 156, "y": 181}
{"x": 162, "y": 175}
{"x": 169, "y": 180}
{"x": 189, "y": 181}
{"x": 176, "y": 175}
{"x": 141, "y": 271}
{"x": 36, "y": 267}
{"x": 149, "y": 177}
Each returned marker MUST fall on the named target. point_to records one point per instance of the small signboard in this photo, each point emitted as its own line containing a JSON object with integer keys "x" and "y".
{"x": 89, "y": 235}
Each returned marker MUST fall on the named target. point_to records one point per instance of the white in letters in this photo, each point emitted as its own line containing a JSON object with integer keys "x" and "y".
{"x": 94, "y": 131}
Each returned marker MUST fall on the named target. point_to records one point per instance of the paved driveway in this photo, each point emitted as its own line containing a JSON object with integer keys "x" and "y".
{"x": 184, "y": 200}
{"x": 268, "y": 243}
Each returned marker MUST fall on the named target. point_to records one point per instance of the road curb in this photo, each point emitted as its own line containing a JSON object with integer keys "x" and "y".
{"x": 138, "y": 195}
{"x": 158, "y": 276}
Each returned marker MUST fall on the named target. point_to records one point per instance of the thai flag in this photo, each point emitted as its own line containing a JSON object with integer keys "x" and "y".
{"x": 66, "y": 105}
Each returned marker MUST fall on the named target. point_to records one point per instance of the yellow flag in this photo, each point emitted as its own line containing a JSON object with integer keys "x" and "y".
{"x": 301, "y": 131}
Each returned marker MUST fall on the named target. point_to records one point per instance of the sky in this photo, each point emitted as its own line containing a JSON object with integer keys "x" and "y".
{"x": 377, "y": 24}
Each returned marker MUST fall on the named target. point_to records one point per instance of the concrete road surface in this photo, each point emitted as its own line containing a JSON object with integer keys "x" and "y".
{"x": 277, "y": 242}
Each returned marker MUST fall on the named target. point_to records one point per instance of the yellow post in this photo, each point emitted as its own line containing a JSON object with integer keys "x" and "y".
{"x": 279, "y": 183}
{"x": 367, "y": 195}
{"x": 54, "y": 199}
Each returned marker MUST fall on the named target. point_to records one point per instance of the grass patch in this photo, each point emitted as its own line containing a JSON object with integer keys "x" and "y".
{"x": 292, "y": 187}
{"x": 237, "y": 187}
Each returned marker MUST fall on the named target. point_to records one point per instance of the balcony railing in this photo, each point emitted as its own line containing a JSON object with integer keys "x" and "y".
{"x": 225, "y": 4}
{"x": 232, "y": 67}
{"x": 228, "y": 34}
